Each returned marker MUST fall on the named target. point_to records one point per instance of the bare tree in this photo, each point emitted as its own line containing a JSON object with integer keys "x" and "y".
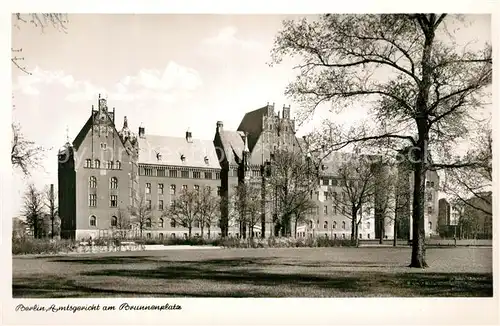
{"x": 184, "y": 210}
{"x": 475, "y": 180}
{"x": 123, "y": 222}
{"x": 293, "y": 179}
{"x": 142, "y": 213}
{"x": 208, "y": 209}
{"x": 25, "y": 155}
{"x": 247, "y": 204}
{"x": 34, "y": 210}
{"x": 357, "y": 177}
{"x": 51, "y": 203}
{"x": 423, "y": 86}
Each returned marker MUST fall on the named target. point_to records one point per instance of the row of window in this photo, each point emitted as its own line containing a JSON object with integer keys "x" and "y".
{"x": 148, "y": 222}
{"x": 334, "y": 225}
{"x": 173, "y": 189}
{"x": 343, "y": 210}
{"x": 96, "y": 164}
{"x": 161, "y": 172}
{"x": 113, "y": 200}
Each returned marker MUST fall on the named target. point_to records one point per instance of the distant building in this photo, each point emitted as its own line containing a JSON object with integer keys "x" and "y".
{"x": 405, "y": 201}
{"x": 476, "y": 217}
{"x": 19, "y": 228}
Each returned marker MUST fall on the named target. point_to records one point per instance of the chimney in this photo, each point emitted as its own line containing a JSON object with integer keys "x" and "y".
{"x": 142, "y": 131}
{"x": 125, "y": 122}
{"x": 220, "y": 125}
{"x": 189, "y": 136}
{"x": 245, "y": 141}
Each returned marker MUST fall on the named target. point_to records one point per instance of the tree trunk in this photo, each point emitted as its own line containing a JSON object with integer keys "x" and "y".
{"x": 189, "y": 231}
{"x": 295, "y": 227}
{"x": 208, "y": 231}
{"x": 263, "y": 206}
{"x": 354, "y": 213}
{"x": 201, "y": 228}
{"x": 381, "y": 241}
{"x": 418, "y": 223}
{"x": 52, "y": 227}
{"x": 357, "y": 237}
{"x": 420, "y": 165}
{"x": 395, "y": 240}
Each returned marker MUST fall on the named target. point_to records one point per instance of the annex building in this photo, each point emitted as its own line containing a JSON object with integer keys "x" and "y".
{"x": 105, "y": 169}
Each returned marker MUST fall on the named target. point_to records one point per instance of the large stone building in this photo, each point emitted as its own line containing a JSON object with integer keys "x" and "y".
{"x": 104, "y": 170}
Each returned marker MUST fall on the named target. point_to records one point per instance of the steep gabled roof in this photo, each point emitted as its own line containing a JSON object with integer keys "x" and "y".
{"x": 86, "y": 128}
{"x": 233, "y": 145}
{"x": 83, "y": 132}
{"x": 252, "y": 124}
{"x": 170, "y": 150}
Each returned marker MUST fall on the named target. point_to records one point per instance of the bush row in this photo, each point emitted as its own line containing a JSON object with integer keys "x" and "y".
{"x": 285, "y": 243}
{"x": 24, "y": 246}
{"x": 46, "y": 246}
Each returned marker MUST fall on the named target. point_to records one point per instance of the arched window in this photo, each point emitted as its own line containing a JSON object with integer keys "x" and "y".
{"x": 97, "y": 164}
{"x": 93, "y": 221}
{"x": 310, "y": 224}
{"x": 172, "y": 223}
{"x": 118, "y": 165}
{"x": 343, "y": 225}
{"x": 88, "y": 163}
{"x": 161, "y": 236}
{"x": 325, "y": 225}
{"x": 430, "y": 225}
{"x": 161, "y": 222}
{"x": 114, "y": 221}
{"x": 113, "y": 183}
{"x": 334, "y": 226}
{"x": 109, "y": 165}
{"x": 368, "y": 225}
{"x": 148, "y": 223}
{"x": 92, "y": 182}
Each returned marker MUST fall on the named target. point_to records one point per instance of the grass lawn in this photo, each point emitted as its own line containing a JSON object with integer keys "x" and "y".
{"x": 284, "y": 272}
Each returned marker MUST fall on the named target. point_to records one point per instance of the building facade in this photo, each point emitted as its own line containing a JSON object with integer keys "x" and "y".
{"x": 105, "y": 171}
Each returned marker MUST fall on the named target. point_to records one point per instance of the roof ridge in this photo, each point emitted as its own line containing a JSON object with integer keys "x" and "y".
{"x": 180, "y": 137}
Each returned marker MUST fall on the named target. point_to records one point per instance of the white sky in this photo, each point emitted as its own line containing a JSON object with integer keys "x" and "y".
{"x": 170, "y": 72}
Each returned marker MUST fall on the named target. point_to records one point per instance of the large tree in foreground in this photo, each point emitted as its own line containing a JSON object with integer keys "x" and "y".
{"x": 422, "y": 85}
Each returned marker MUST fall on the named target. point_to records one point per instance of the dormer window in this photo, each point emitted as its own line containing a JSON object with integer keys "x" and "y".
{"x": 158, "y": 156}
{"x": 206, "y": 159}
{"x": 183, "y": 158}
